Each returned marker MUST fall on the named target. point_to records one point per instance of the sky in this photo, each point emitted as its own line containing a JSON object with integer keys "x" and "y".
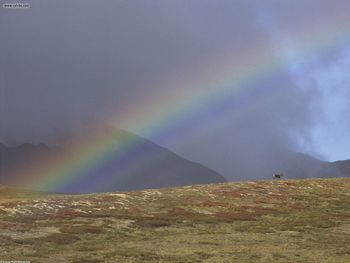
{"x": 226, "y": 83}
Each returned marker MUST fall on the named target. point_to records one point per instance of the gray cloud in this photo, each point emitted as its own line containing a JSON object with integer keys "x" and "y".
{"x": 97, "y": 58}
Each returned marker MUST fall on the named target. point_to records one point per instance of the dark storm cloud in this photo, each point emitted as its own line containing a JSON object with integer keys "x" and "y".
{"x": 69, "y": 65}
{"x": 65, "y": 63}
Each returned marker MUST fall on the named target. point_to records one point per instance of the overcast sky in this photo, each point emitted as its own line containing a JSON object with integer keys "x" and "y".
{"x": 67, "y": 66}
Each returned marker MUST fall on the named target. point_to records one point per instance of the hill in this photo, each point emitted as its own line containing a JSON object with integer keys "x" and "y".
{"x": 261, "y": 221}
{"x": 142, "y": 165}
{"x": 343, "y": 167}
{"x": 298, "y": 165}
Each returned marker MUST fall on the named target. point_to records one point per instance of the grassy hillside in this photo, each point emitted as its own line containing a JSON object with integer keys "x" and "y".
{"x": 263, "y": 221}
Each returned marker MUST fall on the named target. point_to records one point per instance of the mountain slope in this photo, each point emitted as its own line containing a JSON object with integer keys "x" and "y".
{"x": 299, "y": 165}
{"x": 139, "y": 165}
{"x": 343, "y": 167}
{"x": 294, "y": 166}
{"x": 263, "y": 221}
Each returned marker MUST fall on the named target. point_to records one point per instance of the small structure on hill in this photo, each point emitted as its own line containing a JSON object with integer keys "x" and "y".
{"x": 277, "y": 175}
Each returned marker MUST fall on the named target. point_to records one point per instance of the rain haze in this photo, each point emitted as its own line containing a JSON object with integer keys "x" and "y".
{"x": 234, "y": 85}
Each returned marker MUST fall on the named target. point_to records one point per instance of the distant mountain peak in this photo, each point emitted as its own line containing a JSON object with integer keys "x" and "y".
{"x": 142, "y": 165}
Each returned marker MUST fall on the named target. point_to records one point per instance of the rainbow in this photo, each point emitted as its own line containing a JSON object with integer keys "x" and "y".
{"x": 220, "y": 81}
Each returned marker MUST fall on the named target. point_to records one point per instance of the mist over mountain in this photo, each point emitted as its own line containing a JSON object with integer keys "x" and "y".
{"x": 299, "y": 165}
{"x": 22, "y": 157}
{"x": 145, "y": 165}
{"x": 238, "y": 86}
{"x": 123, "y": 61}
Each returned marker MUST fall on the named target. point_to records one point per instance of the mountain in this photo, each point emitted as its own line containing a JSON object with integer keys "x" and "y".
{"x": 21, "y": 157}
{"x": 299, "y": 165}
{"x": 141, "y": 164}
{"x": 343, "y": 167}
{"x": 293, "y": 165}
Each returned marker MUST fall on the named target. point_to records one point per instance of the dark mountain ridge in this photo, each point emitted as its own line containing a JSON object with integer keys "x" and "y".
{"x": 152, "y": 166}
{"x": 301, "y": 165}
{"x": 145, "y": 165}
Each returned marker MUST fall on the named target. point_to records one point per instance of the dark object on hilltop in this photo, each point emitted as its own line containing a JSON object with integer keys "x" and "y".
{"x": 277, "y": 175}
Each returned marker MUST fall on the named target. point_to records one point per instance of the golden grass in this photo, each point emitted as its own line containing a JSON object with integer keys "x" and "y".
{"x": 263, "y": 221}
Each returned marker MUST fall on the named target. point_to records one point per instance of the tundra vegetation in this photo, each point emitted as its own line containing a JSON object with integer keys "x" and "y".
{"x": 260, "y": 221}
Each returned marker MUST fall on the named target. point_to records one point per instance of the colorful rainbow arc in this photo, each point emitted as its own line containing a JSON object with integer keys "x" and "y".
{"x": 224, "y": 80}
